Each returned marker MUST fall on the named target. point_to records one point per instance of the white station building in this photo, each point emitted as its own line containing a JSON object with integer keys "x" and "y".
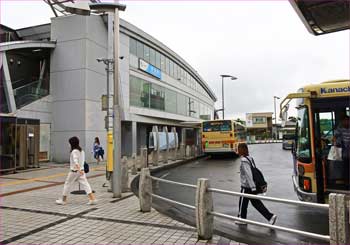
{"x": 51, "y": 87}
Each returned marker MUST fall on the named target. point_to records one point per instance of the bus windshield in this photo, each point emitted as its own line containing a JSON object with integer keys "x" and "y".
{"x": 217, "y": 126}
{"x": 303, "y": 152}
{"x": 288, "y": 136}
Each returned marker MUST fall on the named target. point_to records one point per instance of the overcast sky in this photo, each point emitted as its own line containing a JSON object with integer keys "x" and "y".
{"x": 262, "y": 43}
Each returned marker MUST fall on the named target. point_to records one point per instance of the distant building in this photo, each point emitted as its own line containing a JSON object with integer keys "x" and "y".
{"x": 259, "y": 125}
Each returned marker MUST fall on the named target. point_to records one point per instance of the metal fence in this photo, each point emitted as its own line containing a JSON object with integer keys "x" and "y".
{"x": 338, "y": 208}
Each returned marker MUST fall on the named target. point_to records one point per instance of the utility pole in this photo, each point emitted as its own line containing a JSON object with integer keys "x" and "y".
{"x": 117, "y": 173}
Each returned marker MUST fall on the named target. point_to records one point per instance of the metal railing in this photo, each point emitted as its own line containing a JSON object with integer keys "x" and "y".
{"x": 205, "y": 211}
{"x": 273, "y": 199}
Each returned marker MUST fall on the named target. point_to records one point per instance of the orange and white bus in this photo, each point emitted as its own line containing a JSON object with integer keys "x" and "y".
{"x": 322, "y": 110}
{"x": 222, "y": 136}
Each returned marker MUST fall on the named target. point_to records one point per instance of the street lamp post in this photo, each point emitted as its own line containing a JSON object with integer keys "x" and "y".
{"x": 274, "y": 102}
{"x": 222, "y": 92}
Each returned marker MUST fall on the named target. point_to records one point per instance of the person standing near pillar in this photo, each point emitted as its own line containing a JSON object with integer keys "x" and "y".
{"x": 98, "y": 150}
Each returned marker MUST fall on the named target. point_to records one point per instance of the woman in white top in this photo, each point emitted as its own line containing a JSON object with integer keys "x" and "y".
{"x": 76, "y": 173}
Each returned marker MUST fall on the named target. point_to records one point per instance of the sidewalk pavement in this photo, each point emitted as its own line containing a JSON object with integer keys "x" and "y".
{"x": 29, "y": 214}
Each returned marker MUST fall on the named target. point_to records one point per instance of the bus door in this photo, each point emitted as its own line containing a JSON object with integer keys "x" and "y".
{"x": 328, "y": 116}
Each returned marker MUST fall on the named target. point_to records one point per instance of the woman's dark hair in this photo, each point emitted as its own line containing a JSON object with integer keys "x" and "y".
{"x": 243, "y": 149}
{"x": 74, "y": 143}
{"x": 97, "y": 140}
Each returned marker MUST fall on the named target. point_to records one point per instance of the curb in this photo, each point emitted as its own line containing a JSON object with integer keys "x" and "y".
{"x": 134, "y": 185}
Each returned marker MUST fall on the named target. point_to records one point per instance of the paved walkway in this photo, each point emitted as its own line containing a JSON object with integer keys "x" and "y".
{"x": 29, "y": 214}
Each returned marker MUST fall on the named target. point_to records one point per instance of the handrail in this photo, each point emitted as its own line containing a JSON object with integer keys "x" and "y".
{"x": 174, "y": 202}
{"x": 299, "y": 232}
{"x": 226, "y": 192}
{"x": 173, "y": 182}
{"x": 274, "y": 199}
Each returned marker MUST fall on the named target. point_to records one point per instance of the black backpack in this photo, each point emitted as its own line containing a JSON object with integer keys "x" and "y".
{"x": 86, "y": 167}
{"x": 258, "y": 177}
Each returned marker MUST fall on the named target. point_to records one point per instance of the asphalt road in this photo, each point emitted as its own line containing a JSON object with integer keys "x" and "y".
{"x": 223, "y": 173}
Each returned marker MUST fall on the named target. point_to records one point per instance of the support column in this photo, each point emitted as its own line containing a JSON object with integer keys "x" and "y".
{"x": 155, "y": 153}
{"x": 134, "y": 137}
{"x": 166, "y": 153}
{"x": 10, "y": 98}
{"x": 174, "y": 155}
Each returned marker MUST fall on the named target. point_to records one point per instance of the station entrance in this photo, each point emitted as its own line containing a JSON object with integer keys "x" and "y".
{"x": 19, "y": 144}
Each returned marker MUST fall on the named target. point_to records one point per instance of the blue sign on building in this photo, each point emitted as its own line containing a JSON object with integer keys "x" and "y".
{"x": 150, "y": 69}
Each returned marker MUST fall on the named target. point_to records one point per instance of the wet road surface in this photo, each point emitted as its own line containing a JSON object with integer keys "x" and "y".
{"x": 223, "y": 173}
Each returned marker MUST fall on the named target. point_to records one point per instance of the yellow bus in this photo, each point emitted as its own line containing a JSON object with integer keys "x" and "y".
{"x": 222, "y": 136}
{"x": 322, "y": 110}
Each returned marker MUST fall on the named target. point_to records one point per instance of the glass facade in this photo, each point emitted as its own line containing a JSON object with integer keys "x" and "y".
{"x": 148, "y": 95}
{"x": 30, "y": 74}
{"x": 3, "y": 106}
{"x": 165, "y": 64}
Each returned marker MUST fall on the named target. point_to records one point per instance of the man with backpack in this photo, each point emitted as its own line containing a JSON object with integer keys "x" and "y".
{"x": 252, "y": 182}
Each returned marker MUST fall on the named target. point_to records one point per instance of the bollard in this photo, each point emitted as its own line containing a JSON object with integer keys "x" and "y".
{"x": 174, "y": 155}
{"x": 204, "y": 205}
{"x": 144, "y": 158}
{"x": 339, "y": 220}
{"x": 155, "y": 158}
{"x": 145, "y": 190}
{"x": 192, "y": 151}
{"x": 188, "y": 151}
{"x": 133, "y": 166}
{"x": 125, "y": 174}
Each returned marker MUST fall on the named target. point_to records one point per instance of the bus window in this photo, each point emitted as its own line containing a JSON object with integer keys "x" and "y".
{"x": 303, "y": 152}
{"x": 327, "y": 126}
{"x": 240, "y": 132}
{"x": 217, "y": 126}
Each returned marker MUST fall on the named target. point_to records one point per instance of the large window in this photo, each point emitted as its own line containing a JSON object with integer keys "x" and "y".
{"x": 139, "y": 50}
{"x": 148, "y": 95}
{"x": 146, "y": 55}
{"x": 139, "y": 92}
{"x": 259, "y": 120}
{"x": 170, "y": 102}
{"x": 133, "y": 49}
{"x": 303, "y": 143}
{"x": 165, "y": 64}
{"x": 182, "y": 104}
{"x": 157, "y": 97}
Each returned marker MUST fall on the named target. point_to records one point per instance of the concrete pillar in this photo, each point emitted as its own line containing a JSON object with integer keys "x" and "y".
{"x": 174, "y": 151}
{"x": 10, "y": 98}
{"x": 193, "y": 151}
{"x": 204, "y": 205}
{"x": 133, "y": 165}
{"x": 182, "y": 151}
{"x": 145, "y": 190}
{"x": 155, "y": 153}
{"x": 134, "y": 137}
{"x": 144, "y": 158}
{"x": 166, "y": 153}
{"x": 125, "y": 174}
{"x": 339, "y": 220}
{"x": 188, "y": 151}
